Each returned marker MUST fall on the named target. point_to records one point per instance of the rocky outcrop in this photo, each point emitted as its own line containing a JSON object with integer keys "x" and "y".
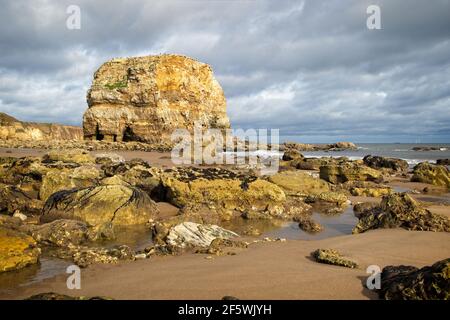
{"x": 189, "y": 234}
{"x": 349, "y": 171}
{"x": 146, "y": 98}
{"x": 13, "y": 129}
{"x": 432, "y": 174}
{"x": 411, "y": 283}
{"x": 331, "y": 256}
{"x": 17, "y": 250}
{"x": 66, "y": 179}
{"x": 377, "y": 162}
{"x": 299, "y": 183}
{"x": 99, "y": 205}
{"x": 222, "y": 191}
{"x": 399, "y": 210}
{"x": 307, "y": 224}
{"x": 318, "y": 147}
{"x": 69, "y": 156}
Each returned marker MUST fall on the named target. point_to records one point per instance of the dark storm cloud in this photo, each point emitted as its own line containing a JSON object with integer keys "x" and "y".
{"x": 309, "y": 68}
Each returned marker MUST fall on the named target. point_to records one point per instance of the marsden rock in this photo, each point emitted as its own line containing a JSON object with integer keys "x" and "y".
{"x": 433, "y": 174}
{"x": 411, "y": 283}
{"x": 99, "y": 205}
{"x": 146, "y": 98}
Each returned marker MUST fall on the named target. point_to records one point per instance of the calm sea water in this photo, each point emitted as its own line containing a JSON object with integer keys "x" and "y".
{"x": 394, "y": 150}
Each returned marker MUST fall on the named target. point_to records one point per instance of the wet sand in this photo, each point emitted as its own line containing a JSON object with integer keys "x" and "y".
{"x": 275, "y": 270}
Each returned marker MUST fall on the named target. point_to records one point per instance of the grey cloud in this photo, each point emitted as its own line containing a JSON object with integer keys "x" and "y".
{"x": 309, "y": 68}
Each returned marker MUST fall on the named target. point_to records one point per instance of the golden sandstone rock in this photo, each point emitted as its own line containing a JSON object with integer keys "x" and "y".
{"x": 17, "y": 250}
{"x": 146, "y": 98}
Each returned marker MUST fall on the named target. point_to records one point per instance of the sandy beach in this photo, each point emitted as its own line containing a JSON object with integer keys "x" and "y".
{"x": 276, "y": 270}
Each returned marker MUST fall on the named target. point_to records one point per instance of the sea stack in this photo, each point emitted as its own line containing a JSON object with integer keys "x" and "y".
{"x": 146, "y": 98}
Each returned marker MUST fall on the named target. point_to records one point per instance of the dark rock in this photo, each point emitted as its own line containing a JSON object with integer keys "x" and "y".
{"x": 399, "y": 210}
{"x": 411, "y": 283}
{"x": 378, "y": 162}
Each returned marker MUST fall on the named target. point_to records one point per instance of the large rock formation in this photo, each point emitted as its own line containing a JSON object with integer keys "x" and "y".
{"x": 13, "y": 129}
{"x": 146, "y": 98}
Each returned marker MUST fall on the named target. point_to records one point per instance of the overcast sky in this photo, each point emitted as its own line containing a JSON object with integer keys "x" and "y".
{"x": 310, "y": 68}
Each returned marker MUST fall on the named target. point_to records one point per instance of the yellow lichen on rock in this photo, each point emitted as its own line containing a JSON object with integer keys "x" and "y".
{"x": 299, "y": 183}
{"x": 17, "y": 250}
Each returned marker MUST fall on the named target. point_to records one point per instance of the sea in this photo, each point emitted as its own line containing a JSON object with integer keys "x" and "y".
{"x": 393, "y": 150}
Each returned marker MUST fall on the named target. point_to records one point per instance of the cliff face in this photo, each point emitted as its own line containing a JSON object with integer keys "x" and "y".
{"x": 13, "y": 129}
{"x": 146, "y": 98}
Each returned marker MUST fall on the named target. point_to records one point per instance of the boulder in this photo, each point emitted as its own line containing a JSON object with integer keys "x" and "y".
{"x": 443, "y": 162}
{"x": 299, "y": 183}
{"x": 108, "y": 158}
{"x": 349, "y": 171}
{"x": 292, "y": 154}
{"x": 432, "y": 174}
{"x": 393, "y": 164}
{"x": 221, "y": 190}
{"x": 331, "y": 256}
{"x": 147, "y": 98}
{"x": 68, "y": 156}
{"x": 17, "y": 250}
{"x": 399, "y": 210}
{"x": 411, "y": 283}
{"x": 190, "y": 234}
{"x": 307, "y": 224}
{"x": 66, "y": 179}
{"x": 115, "y": 204}
{"x": 61, "y": 233}
{"x": 13, "y": 199}
{"x": 330, "y": 197}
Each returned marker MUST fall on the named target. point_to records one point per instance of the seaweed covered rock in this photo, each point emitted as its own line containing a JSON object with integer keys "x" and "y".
{"x": 66, "y": 179}
{"x": 399, "y": 210}
{"x": 115, "y": 204}
{"x": 393, "y": 164}
{"x": 17, "y": 250}
{"x": 331, "y": 256}
{"x": 349, "y": 171}
{"x": 299, "y": 183}
{"x": 366, "y": 188}
{"x": 58, "y": 296}
{"x": 189, "y": 234}
{"x": 411, "y": 283}
{"x": 433, "y": 174}
{"x": 68, "y": 156}
{"x": 222, "y": 191}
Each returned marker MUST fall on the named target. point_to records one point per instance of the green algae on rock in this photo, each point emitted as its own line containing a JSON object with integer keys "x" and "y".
{"x": 331, "y": 256}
